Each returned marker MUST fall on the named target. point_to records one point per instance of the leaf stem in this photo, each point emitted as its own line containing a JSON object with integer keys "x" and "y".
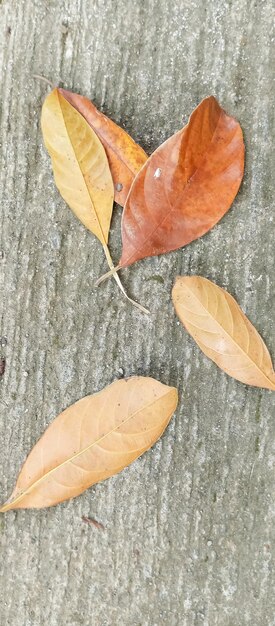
{"x": 113, "y": 272}
{"x": 44, "y": 79}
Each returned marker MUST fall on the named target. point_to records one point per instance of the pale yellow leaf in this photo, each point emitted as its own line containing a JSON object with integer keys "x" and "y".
{"x": 222, "y": 331}
{"x": 92, "y": 440}
{"x": 80, "y": 164}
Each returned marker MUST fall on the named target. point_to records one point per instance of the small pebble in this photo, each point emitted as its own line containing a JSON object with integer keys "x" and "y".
{"x": 3, "y": 342}
{"x": 119, "y": 187}
{"x": 2, "y": 366}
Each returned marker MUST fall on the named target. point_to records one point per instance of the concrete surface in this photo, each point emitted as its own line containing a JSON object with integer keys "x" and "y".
{"x": 189, "y": 528}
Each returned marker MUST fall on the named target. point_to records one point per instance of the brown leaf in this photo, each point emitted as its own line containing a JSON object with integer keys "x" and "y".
{"x": 185, "y": 187}
{"x": 125, "y": 156}
{"x": 222, "y": 331}
{"x": 92, "y": 440}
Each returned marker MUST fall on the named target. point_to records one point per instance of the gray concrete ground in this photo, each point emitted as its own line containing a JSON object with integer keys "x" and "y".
{"x": 189, "y": 528}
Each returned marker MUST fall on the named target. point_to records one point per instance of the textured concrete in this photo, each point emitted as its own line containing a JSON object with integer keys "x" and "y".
{"x": 189, "y": 528}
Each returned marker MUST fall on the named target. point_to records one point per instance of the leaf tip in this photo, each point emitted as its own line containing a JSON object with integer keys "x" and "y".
{"x": 5, "y": 507}
{"x": 176, "y": 394}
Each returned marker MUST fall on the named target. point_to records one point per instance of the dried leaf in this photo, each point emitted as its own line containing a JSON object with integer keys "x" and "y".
{"x": 81, "y": 169}
{"x": 125, "y": 156}
{"x": 80, "y": 165}
{"x": 222, "y": 331}
{"x": 92, "y": 521}
{"x": 185, "y": 187}
{"x": 92, "y": 440}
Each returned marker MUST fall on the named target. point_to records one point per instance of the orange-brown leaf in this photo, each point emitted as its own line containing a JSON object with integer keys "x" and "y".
{"x": 125, "y": 156}
{"x": 222, "y": 331}
{"x": 186, "y": 186}
{"x": 92, "y": 440}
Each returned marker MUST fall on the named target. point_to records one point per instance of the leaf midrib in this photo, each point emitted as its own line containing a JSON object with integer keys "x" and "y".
{"x": 77, "y": 161}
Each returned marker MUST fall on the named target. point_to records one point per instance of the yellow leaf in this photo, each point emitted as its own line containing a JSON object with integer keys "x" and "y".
{"x": 93, "y": 439}
{"x": 80, "y": 165}
{"x": 222, "y": 331}
{"x": 81, "y": 169}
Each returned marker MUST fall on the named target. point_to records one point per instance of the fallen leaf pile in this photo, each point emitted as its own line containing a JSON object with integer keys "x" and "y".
{"x": 171, "y": 198}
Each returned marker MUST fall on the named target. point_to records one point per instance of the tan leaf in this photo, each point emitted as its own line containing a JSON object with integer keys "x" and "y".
{"x": 93, "y": 439}
{"x": 222, "y": 331}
